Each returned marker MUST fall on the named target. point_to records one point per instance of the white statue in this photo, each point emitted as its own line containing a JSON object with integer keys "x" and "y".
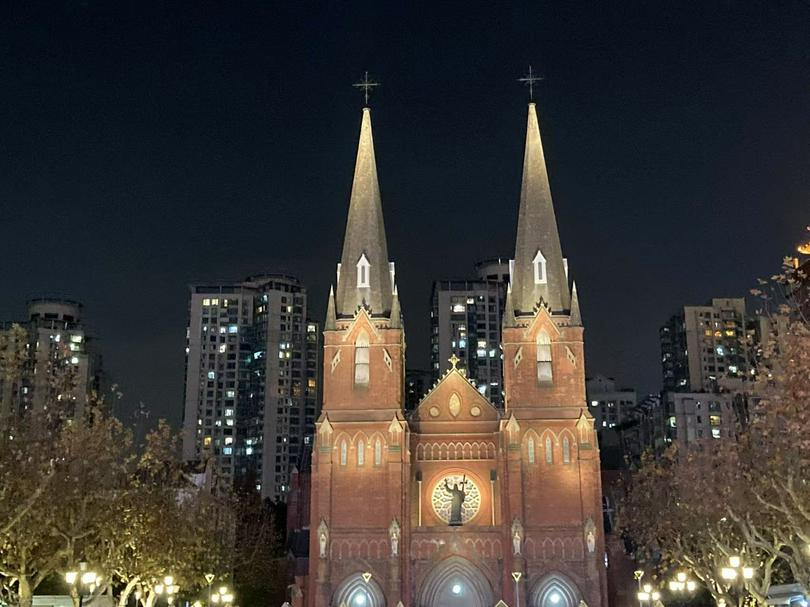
{"x": 590, "y": 535}
{"x": 517, "y": 536}
{"x": 323, "y": 538}
{"x": 394, "y": 533}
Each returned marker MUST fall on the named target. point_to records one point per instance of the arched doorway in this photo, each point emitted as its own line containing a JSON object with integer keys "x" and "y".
{"x": 555, "y": 590}
{"x": 455, "y": 582}
{"x": 355, "y": 591}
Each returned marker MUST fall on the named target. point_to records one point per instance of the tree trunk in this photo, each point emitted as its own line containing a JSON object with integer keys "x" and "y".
{"x": 74, "y": 596}
{"x": 25, "y": 596}
{"x": 124, "y": 598}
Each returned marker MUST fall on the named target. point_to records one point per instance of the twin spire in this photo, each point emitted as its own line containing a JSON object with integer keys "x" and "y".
{"x": 539, "y": 275}
{"x": 366, "y": 277}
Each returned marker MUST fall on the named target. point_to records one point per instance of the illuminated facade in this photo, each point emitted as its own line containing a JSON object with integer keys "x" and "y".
{"x": 457, "y": 503}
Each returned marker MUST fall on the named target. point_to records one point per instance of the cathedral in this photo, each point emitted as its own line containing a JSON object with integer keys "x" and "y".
{"x": 458, "y": 503}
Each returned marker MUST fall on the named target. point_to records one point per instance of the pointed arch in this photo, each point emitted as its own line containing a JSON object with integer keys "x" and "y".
{"x": 554, "y": 590}
{"x": 455, "y": 578}
{"x": 539, "y": 267}
{"x": 363, "y": 272}
{"x": 361, "y": 359}
{"x": 544, "y": 362}
{"x": 378, "y": 452}
{"x": 533, "y": 444}
{"x": 353, "y": 587}
{"x": 568, "y": 445}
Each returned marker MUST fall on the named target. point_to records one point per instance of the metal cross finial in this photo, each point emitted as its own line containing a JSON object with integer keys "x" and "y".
{"x": 367, "y": 85}
{"x": 529, "y": 79}
{"x": 454, "y": 360}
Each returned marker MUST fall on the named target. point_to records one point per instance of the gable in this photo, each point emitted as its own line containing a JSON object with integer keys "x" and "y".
{"x": 454, "y": 405}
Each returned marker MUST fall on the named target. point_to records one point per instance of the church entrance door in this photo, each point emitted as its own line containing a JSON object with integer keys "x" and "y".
{"x": 358, "y": 591}
{"x": 455, "y": 582}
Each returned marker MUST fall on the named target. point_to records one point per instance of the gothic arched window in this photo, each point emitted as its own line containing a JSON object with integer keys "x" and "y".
{"x": 544, "y": 372}
{"x": 566, "y": 451}
{"x": 361, "y": 452}
{"x": 539, "y": 263}
{"x": 361, "y": 360}
{"x": 378, "y": 452}
{"x": 363, "y": 272}
{"x": 530, "y": 449}
{"x": 549, "y": 452}
{"x": 344, "y": 451}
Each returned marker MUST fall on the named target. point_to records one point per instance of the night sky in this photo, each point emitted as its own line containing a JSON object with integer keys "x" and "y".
{"x": 147, "y": 145}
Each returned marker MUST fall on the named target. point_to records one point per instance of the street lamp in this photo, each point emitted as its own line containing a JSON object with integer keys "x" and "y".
{"x": 682, "y": 584}
{"x": 223, "y": 595}
{"x": 647, "y": 594}
{"x": 82, "y": 578}
{"x": 167, "y": 587}
{"x": 736, "y": 570}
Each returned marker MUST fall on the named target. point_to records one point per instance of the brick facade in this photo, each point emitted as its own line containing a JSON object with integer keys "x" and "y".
{"x": 382, "y": 511}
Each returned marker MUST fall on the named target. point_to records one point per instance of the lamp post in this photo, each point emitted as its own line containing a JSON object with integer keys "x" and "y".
{"x": 209, "y": 577}
{"x": 682, "y": 584}
{"x": 223, "y": 597}
{"x": 82, "y": 578}
{"x": 516, "y": 575}
{"x": 647, "y": 595}
{"x": 167, "y": 587}
{"x": 737, "y": 573}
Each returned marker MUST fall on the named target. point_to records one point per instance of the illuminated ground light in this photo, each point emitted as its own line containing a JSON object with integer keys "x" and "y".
{"x": 555, "y": 597}
{"x": 456, "y": 589}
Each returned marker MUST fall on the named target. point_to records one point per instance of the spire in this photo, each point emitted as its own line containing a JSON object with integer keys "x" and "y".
{"x": 364, "y": 277}
{"x": 576, "y": 317}
{"x": 539, "y": 270}
{"x": 509, "y": 309}
{"x": 396, "y": 312}
{"x": 331, "y": 319}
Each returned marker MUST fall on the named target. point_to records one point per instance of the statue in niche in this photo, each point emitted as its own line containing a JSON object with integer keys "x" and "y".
{"x": 590, "y": 535}
{"x": 457, "y": 495}
{"x": 517, "y": 536}
{"x": 323, "y": 539}
{"x": 394, "y": 533}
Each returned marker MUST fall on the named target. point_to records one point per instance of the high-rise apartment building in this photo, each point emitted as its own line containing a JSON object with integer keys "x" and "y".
{"x": 252, "y": 379}
{"x": 57, "y": 359}
{"x": 609, "y": 405}
{"x": 466, "y": 320}
{"x": 703, "y": 348}
{"x": 417, "y": 383}
{"x": 695, "y": 416}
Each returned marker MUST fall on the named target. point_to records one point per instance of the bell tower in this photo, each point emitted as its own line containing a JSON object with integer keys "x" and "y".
{"x": 360, "y": 454}
{"x": 553, "y": 459}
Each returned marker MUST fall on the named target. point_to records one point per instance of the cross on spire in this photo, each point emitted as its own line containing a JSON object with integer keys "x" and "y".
{"x": 367, "y": 85}
{"x": 529, "y": 80}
